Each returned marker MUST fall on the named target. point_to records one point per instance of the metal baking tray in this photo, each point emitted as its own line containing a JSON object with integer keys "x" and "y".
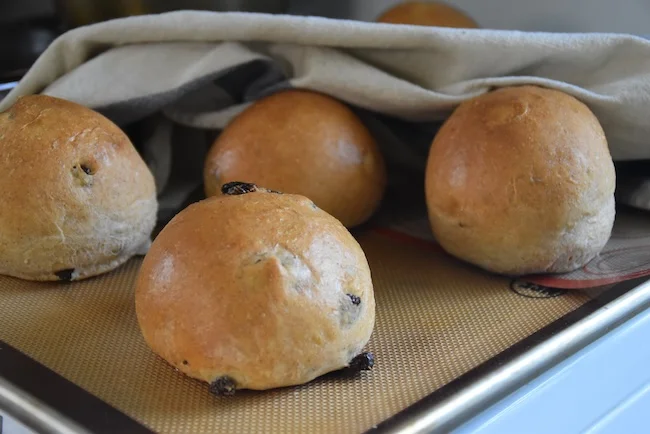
{"x": 48, "y": 385}
{"x": 451, "y": 341}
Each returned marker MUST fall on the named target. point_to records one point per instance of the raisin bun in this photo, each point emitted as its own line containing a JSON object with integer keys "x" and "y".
{"x": 254, "y": 289}
{"x": 520, "y": 180}
{"x": 423, "y": 13}
{"x": 305, "y": 143}
{"x": 77, "y": 199}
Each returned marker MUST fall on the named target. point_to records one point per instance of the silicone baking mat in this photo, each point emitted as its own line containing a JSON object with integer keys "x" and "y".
{"x": 437, "y": 318}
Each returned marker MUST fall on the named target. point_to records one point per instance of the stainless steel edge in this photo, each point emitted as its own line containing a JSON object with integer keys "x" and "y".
{"x": 480, "y": 395}
{"x": 33, "y": 414}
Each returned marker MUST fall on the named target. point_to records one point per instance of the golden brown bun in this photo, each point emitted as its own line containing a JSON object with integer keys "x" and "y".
{"x": 257, "y": 290}
{"x": 422, "y": 13}
{"x": 305, "y": 143}
{"x": 77, "y": 199}
{"x": 520, "y": 180}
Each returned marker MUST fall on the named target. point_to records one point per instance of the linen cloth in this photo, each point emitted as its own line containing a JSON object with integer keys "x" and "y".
{"x": 175, "y": 79}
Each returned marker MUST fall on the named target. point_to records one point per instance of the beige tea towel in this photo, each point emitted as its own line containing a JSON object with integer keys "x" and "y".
{"x": 173, "y": 80}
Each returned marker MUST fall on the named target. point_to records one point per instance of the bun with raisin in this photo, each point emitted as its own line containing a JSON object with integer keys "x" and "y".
{"x": 77, "y": 198}
{"x": 253, "y": 289}
{"x": 307, "y": 143}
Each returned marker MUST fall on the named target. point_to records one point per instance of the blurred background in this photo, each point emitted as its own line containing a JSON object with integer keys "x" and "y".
{"x": 27, "y": 27}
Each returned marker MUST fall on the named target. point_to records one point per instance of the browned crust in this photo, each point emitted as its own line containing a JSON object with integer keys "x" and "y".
{"x": 424, "y": 13}
{"x": 76, "y": 195}
{"x": 305, "y": 143}
{"x": 256, "y": 290}
{"x": 521, "y": 180}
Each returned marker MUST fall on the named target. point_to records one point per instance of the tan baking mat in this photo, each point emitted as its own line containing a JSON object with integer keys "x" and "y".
{"x": 436, "y": 319}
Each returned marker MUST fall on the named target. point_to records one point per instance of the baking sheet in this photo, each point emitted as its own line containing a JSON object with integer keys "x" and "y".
{"x": 437, "y": 318}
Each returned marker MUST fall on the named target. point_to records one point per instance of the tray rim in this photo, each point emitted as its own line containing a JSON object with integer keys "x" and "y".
{"x": 483, "y": 386}
{"x": 46, "y": 402}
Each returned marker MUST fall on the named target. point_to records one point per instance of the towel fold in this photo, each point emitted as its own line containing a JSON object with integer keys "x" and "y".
{"x": 176, "y": 79}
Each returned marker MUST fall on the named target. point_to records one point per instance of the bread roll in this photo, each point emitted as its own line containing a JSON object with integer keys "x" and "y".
{"x": 77, "y": 199}
{"x": 520, "y": 180}
{"x": 304, "y": 143}
{"x": 256, "y": 290}
{"x": 424, "y": 13}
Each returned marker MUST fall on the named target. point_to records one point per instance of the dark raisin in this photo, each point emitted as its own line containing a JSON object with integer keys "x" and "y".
{"x": 349, "y": 310}
{"x": 185, "y": 362}
{"x": 236, "y": 188}
{"x": 81, "y": 173}
{"x": 362, "y": 362}
{"x": 355, "y": 300}
{"x": 223, "y": 386}
{"x": 462, "y": 225}
{"x": 65, "y": 275}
